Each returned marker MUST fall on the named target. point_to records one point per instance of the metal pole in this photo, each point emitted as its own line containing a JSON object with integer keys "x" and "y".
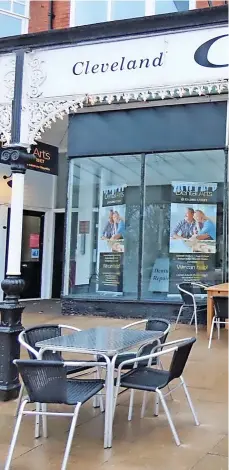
{"x": 12, "y": 285}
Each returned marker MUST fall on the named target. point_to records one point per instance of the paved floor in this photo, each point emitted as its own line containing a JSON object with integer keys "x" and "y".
{"x": 143, "y": 444}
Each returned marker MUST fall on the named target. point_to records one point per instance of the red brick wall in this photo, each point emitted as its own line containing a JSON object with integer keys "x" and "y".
{"x": 39, "y": 18}
{"x": 204, "y": 3}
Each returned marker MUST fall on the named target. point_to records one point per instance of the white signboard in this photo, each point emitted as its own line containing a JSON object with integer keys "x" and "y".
{"x": 180, "y": 58}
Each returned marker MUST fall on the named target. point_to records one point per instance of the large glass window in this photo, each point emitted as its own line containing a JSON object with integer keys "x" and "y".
{"x": 97, "y": 11}
{"x": 183, "y": 221}
{"x": 14, "y": 17}
{"x": 103, "y": 227}
{"x": 138, "y": 225}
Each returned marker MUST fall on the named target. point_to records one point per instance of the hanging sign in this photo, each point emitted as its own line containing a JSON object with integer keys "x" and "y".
{"x": 46, "y": 158}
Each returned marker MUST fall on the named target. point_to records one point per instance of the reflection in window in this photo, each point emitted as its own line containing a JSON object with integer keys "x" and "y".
{"x": 171, "y": 6}
{"x": 127, "y": 9}
{"x": 103, "y": 227}
{"x": 172, "y": 249}
{"x": 9, "y": 25}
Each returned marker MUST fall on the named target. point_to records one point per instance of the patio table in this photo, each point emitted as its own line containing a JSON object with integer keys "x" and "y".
{"x": 108, "y": 343}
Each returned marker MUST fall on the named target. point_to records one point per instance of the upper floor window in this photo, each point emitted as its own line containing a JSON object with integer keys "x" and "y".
{"x": 96, "y": 11}
{"x": 14, "y": 17}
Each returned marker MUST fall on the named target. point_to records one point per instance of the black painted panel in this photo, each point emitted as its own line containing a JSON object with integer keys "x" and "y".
{"x": 160, "y": 129}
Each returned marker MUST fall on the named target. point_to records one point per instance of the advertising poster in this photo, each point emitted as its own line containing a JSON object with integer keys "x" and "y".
{"x": 192, "y": 232}
{"x": 111, "y": 244}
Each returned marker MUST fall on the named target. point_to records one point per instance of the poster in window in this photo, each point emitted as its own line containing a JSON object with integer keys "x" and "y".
{"x": 111, "y": 244}
{"x": 192, "y": 232}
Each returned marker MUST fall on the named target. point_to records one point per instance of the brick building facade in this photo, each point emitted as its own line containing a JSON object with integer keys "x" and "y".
{"x": 55, "y": 14}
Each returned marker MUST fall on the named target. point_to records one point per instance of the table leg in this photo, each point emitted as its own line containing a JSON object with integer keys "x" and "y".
{"x": 109, "y": 410}
{"x": 210, "y": 313}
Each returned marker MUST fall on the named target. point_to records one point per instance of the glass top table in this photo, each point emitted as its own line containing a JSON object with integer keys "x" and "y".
{"x": 100, "y": 340}
{"x": 109, "y": 342}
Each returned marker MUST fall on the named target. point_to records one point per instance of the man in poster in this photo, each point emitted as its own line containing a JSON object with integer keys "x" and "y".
{"x": 185, "y": 227}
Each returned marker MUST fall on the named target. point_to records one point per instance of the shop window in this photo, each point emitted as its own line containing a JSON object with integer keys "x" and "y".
{"x": 127, "y": 9}
{"x": 170, "y": 6}
{"x": 97, "y": 11}
{"x": 103, "y": 227}
{"x": 183, "y": 221}
{"x": 14, "y": 17}
{"x": 138, "y": 225}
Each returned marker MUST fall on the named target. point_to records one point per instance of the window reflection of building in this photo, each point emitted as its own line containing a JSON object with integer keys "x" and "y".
{"x": 91, "y": 175}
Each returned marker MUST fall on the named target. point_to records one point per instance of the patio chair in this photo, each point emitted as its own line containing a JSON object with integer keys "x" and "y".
{"x": 151, "y": 324}
{"x": 152, "y": 379}
{"x": 187, "y": 292}
{"x": 47, "y": 382}
{"x": 30, "y": 336}
{"x": 220, "y": 317}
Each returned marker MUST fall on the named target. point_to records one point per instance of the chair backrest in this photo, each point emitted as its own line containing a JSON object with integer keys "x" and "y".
{"x": 221, "y": 306}
{"x": 186, "y": 292}
{"x": 45, "y": 381}
{"x": 41, "y": 333}
{"x": 180, "y": 357}
{"x": 156, "y": 324}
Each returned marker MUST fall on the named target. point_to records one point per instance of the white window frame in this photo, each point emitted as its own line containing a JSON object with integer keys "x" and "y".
{"x": 149, "y": 8}
{"x": 24, "y": 18}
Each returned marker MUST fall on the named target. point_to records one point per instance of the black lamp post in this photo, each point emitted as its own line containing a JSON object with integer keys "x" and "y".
{"x": 13, "y": 284}
{"x": 10, "y": 310}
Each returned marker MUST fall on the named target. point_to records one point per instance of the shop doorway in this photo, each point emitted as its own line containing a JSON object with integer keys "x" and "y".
{"x": 31, "y": 253}
{"x": 58, "y": 255}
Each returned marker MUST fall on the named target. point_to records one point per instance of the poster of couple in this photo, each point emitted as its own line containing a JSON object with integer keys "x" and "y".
{"x": 193, "y": 224}
{"x": 111, "y": 242}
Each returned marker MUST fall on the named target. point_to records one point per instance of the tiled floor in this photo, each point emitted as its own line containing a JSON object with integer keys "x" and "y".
{"x": 143, "y": 443}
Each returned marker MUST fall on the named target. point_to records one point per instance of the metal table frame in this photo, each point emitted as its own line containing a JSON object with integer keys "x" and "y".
{"x": 109, "y": 356}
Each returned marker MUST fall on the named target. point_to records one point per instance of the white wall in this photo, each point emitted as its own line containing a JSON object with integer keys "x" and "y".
{"x": 38, "y": 193}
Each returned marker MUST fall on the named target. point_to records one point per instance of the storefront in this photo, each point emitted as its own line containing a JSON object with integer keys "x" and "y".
{"x": 147, "y": 180}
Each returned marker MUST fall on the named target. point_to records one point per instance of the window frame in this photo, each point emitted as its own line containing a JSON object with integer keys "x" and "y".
{"x": 149, "y": 8}
{"x": 24, "y": 18}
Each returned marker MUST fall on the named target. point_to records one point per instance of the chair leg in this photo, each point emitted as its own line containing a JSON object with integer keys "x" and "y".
{"x": 70, "y": 437}
{"x": 37, "y": 422}
{"x": 211, "y": 333}
{"x": 172, "y": 427}
{"x": 15, "y": 434}
{"x": 156, "y": 405}
{"x": 131, "y": 405}
{"x": 44, "y": 421}
{"x": 218, "y": 327}
{"x": 19, "y": 400}
{"x": 144, "y": 404}
{"x": 194, "y": 316}
{"x": 178, "y": 316}
{"x": 189, "y": 401}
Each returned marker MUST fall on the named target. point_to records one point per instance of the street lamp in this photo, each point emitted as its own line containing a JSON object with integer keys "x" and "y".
{"x": 10, "y": 310}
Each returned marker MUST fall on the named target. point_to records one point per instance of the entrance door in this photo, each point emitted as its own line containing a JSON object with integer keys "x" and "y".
{"x": 31, "y": 254}
{"x": 58, "y": 255}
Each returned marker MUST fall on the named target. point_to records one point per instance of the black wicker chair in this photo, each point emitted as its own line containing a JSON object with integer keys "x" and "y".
{"x": 47, "y": 382}
{"x": 30, "y": 336}
{"x": 187, "y": 291}
{"x": 152, "y": 324}
{"x": 220, "y": 317}
{"x": 151, "y": 379}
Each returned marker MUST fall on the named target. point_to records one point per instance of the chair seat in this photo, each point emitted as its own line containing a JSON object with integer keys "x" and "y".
{"x": 76, "y": 369}
{"x": 146, "y": 379}
{"x": 82, "y": 390}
